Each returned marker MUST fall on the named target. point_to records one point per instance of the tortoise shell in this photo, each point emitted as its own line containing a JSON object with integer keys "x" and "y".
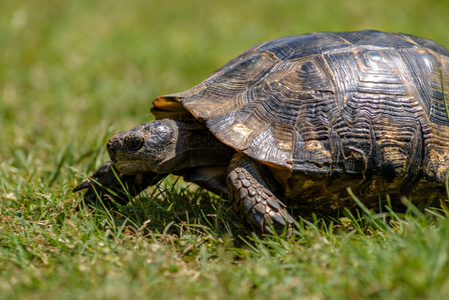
{"x": 320, "y": 105}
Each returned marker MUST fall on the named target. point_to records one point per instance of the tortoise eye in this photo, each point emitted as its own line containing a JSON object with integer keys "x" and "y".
{"x": 134, "y": 144}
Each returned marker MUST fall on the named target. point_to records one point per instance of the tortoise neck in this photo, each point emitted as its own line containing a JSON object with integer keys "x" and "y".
{"x": 197, "y": 146}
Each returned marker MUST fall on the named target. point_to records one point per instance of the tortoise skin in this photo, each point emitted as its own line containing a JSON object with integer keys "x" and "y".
{"x": 327, "y": 111}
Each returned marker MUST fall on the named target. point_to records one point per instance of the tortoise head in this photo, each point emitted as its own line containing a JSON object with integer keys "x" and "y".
{"x": 147, "y": 147}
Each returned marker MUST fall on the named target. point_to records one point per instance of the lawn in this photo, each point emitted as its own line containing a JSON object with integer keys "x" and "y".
{"x": 73, "y": 73}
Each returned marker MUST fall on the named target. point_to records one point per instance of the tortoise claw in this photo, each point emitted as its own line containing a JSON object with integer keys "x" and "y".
{"x": 85, "y": 184}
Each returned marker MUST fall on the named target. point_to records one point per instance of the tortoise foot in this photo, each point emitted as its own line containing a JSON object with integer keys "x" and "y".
{"x": 253, "y": 200}
{"x": 111, "y": 187}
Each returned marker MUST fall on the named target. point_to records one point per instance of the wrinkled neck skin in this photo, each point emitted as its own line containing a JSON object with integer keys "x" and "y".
{"x": 194, "y": 147}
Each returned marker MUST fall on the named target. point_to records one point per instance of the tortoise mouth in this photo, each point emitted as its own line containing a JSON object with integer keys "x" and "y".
{"x": 130, "y": 167}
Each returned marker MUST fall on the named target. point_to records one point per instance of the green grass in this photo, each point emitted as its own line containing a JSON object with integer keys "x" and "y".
{"x": 73, "y": 73}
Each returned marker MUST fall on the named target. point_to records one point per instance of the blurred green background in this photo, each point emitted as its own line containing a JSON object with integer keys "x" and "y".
{"x": 74, "y": 72}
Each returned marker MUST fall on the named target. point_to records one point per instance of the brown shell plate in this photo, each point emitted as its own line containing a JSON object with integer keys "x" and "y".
{"x": 329, "y": 103}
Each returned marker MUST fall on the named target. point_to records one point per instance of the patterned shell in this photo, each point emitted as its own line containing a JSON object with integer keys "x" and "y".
{"x": 330, "y": 103}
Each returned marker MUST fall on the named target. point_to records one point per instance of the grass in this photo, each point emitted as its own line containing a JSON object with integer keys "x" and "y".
{"x": 73, "y": 73}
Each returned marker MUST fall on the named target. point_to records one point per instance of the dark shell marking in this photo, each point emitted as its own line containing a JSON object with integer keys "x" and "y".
{"x": 329, "y": 110}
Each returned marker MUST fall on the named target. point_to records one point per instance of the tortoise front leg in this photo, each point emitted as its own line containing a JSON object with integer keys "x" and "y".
{"x": 109, "y": 185}
{"x": 252, "y": 199}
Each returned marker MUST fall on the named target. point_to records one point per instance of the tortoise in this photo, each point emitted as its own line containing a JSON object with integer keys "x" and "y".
{"x": 291, "y": 123}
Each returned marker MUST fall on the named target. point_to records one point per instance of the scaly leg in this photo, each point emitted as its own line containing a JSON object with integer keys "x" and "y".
{"x": 252, "y": 198}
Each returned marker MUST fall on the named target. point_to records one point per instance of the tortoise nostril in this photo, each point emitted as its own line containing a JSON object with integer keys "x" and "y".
{"x": 115, "y": 144}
